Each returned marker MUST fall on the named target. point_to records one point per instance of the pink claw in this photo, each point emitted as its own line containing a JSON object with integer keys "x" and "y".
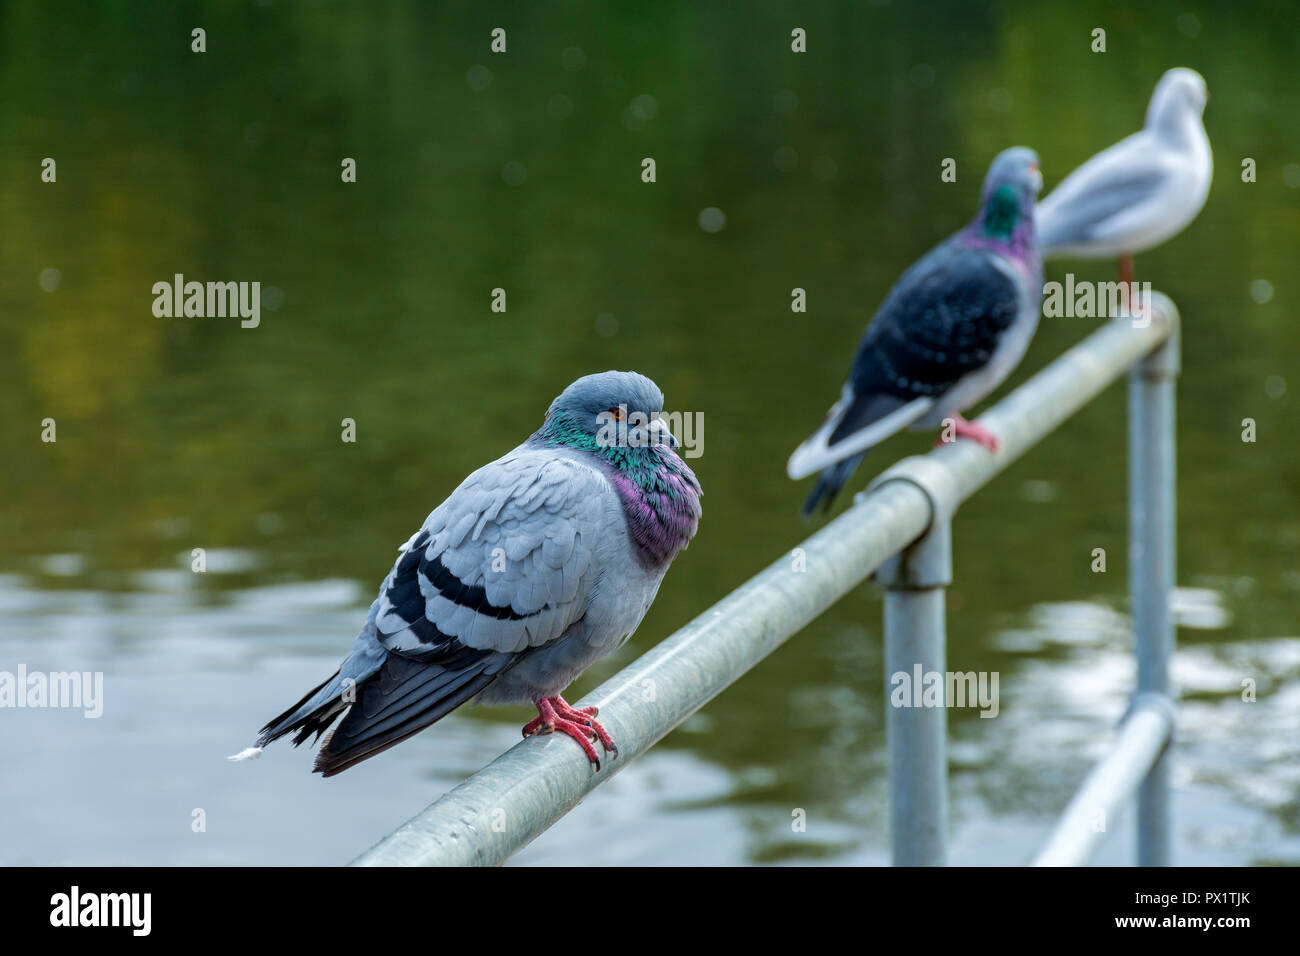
{"x": 555, "y": 714}
{"x": 974, "y": 431}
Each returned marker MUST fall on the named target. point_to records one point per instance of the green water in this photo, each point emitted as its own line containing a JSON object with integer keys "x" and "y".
{"x": 522, "y": 171}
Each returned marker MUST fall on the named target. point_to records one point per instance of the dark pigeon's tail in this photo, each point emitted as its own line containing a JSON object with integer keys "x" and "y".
{"x": 318, "y": 708}
{"x": 322, "y": 705}
{"x": 390, "y": 698}
{"x": 829, "y": 482}
{"x": 857, "y": 423}
{"x": 403, "y": 698}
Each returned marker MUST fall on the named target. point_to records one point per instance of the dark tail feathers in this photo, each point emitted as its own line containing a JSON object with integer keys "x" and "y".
{"x": 306, "y": 722}
{"x": 400, "y": 700}
{"x": 829, "y": 482}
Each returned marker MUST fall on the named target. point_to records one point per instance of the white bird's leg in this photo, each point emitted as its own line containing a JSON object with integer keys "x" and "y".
{"x": 1126, "y": 271}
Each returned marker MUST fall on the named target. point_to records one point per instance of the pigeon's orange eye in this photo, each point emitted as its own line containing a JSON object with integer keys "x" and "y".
{"x": 617, "y": 412}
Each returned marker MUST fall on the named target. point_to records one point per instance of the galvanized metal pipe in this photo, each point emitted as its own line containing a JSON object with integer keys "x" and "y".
{"x": 1090, "y": 816}
{"x": 916, "y": 646}
{"x": 1152, "y": 529}
{"x": 917, "y": 736}
{"x": 506, "y": 805}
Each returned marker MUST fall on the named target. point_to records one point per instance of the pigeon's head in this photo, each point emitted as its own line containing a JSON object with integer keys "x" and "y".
{"x": 1010, "y": 190}
{"x": 1180, "y": 94}
{"x": 608, "y": 410}
{"x": 614, "y": 416}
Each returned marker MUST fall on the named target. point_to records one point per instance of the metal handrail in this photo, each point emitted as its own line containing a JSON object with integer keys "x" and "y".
{"x": 508, "y": 803}
{"x": 1086, "y": 821}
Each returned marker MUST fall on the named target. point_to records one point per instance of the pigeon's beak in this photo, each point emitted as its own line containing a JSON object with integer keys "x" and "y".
{"x": 1037, "y": 177}
{"x": 661, "y": 434}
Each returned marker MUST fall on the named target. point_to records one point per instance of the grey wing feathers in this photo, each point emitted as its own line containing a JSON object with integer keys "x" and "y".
{"x": 504, "y": 564}
{"x": 1102, "y": 188}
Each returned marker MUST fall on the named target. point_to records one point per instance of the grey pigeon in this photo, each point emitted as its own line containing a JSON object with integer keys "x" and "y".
{"x": 1141, "y": 191}
{"x": 951, "y": 329}
{"x": 538, "y": 565}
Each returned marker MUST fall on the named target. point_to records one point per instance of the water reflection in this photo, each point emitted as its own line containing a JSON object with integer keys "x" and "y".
{"x": 188, "y": 680}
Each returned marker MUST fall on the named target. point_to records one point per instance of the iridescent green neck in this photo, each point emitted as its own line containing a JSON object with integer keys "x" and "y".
{"x": 659, "y": 492}
{"x": 1001, "y": 213}
{"x": 638, "y": 462}
{"x": 559, "y": 429}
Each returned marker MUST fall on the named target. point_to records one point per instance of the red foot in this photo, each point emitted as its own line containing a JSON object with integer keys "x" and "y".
{"x": 555, "y": 713}
{"x": 973, "y": 430}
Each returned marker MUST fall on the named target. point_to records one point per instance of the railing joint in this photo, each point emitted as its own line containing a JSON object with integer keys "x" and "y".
{"x": 927, "y": 562}
{"x": 1165, "y": 360}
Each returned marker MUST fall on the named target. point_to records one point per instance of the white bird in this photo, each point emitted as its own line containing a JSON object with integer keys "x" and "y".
{"x": 1140, "y": 192}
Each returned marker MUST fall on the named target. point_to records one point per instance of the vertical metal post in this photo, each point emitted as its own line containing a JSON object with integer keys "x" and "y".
{"x": 1151, "y": 566}
{"x": 917, "y": 735}
{"x": 916, "y": 724}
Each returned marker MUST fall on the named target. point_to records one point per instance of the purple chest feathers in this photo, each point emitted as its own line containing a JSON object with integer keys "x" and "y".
{"x": 661, "y": 501}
